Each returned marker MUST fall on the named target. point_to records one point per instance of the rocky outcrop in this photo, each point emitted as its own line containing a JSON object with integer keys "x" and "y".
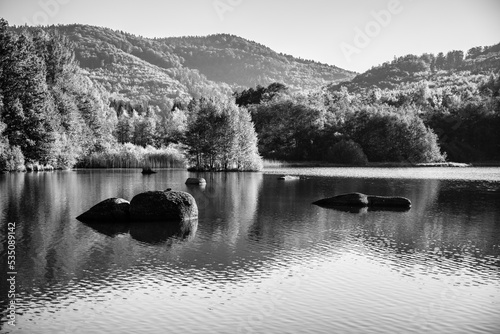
{"x": 163, "y": 206}
{"x": 196, "y": 181}
{"x": 362, "y": 200}
{"x": 111, "y": 210}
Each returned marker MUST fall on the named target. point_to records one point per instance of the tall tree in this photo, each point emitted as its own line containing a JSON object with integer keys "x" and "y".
{"x": 124, "y": 128}
{"x": 27, "y": 110}
{"x": 48, "y": 105}
{"x": 440, "y": 61}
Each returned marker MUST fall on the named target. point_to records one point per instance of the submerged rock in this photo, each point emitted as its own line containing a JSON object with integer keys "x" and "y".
{"x": 362, "y": 200}
{"x": 196, "y": 180}
{"x": 163, "y": 206}
{"x": 108, "y": 211}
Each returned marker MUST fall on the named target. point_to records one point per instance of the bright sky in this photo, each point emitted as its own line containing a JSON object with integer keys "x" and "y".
{"x": 346, "y": 33}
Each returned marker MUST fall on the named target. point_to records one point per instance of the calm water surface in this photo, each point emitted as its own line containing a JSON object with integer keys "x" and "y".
{"x": 263, "y": 259}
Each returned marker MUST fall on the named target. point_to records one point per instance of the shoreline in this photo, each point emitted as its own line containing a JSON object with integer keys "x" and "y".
{"x": 272, "y": 166}
{"x": 313, "y": 164}
{"x": 482, "y": 173}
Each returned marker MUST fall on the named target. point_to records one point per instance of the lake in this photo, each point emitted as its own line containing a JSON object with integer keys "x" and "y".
{"x": 263, "y": 259}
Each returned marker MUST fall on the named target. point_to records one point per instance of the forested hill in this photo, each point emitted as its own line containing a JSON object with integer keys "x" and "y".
{"x": 163, "y": 70}
{"x": 237, "y": 61}
{"x": 136, "y": 69}
{"x": 441, "y": 69}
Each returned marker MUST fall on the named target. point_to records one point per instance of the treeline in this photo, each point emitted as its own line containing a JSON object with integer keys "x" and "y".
{"x": 417, "y": 124}
{"x": 340, "y": 128}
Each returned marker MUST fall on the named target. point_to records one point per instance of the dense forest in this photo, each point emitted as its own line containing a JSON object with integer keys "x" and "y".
{"x": 457, "y": 96}
{"x": 54, "y": 116}
{"x": 338, "y": 127}
{"x": 455, "y": 118}
{"x": 50, "y": 112}
{"x": 424, "y": 108}
{"x": 93, "y": 97}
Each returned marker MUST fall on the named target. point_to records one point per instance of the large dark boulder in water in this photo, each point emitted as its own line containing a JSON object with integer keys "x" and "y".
{"x": 362, "y": 200}
{"x": 111, "y": 210}
{"x": 163, "y": 206}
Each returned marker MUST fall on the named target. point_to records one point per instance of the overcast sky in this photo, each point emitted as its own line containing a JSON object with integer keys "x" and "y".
{"x": 351, "y": 34}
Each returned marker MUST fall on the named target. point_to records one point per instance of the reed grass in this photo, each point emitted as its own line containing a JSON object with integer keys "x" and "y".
{"x": 132, "y": 156}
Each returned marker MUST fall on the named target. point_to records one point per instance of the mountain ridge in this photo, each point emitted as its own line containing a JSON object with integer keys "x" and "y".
{"x": 224, "y": 42}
